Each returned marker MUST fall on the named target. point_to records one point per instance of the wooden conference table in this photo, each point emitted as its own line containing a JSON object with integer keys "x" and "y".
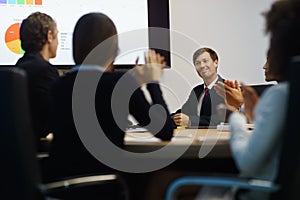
{"x": 217, "y": 142}
{"x": 213, "y": 143}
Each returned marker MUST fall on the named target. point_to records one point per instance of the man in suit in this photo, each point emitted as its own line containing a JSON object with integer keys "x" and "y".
{"x": 201, "y": 108}
{"x": 39, "y": 39}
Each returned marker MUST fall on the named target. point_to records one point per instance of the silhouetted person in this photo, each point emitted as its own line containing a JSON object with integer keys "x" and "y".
{"x": 39, "y": 40}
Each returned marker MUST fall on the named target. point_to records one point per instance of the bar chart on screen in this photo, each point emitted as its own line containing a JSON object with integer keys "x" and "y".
{"x": 22, "y": 2}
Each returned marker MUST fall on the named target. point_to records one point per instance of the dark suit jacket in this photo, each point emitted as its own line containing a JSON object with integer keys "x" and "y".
{"x": 210, "y": 116}
{"x": 67, "y": 148}
{"x": 41, "y": 75}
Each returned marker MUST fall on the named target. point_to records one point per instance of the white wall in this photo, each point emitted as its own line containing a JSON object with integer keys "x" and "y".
{"x": 233, "y": 28}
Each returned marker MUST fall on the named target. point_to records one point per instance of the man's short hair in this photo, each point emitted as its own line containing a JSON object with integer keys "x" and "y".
{"x": 34, "y": 31}
{"x": 200, "y": 51}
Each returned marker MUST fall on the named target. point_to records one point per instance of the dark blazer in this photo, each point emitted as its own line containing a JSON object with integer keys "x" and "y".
{"x": 67, "y": 148}
{"x": 210, "y": 115}
{"x": 41, "y": 75}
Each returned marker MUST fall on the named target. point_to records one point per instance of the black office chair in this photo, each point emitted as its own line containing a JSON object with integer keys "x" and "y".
{"x": 289, "y": 173}
{"x": 20, "y": 175}
{"x": 18, "y": 168}
{"x": 288, "y": 180}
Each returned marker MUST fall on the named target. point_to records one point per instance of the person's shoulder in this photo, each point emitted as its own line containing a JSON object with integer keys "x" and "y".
{"x": 25, "y": 61}
{"x": 111, "y": 76}
{"x": 33, "y": 61}
{"x": 283, "y": 86}
{"x": 198, "y": 87}
{"x": 220, "y": 78}
{"x": 280, "y": 90}
{"x": 114, "y": 74}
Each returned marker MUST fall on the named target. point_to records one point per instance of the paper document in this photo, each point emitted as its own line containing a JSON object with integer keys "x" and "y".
{"x": 226, "y": 127}
{"x": 136, "y": 130}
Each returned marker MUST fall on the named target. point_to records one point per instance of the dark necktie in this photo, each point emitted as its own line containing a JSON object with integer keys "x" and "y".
{"x": 206, "y": 90}
{"x": 206, "y": 106}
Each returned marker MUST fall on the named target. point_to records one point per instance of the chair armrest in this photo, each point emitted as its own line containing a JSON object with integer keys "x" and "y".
{"x": 235, "y": 182}
{"x": 80, "y": 181}
{"x": 83, "y": 186}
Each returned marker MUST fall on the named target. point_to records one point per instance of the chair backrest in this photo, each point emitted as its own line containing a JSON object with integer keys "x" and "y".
{"x": 20, "y": 173}
{"x": 289, "y": 169}
{"x": 19, "y": 170}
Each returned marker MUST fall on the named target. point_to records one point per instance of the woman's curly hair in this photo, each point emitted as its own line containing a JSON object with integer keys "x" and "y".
{"x": 283, "y": 25}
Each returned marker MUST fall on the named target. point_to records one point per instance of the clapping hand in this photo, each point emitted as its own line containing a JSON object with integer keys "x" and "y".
{"x": 231, "y": 92}
{"x": 153, "y": 68}
{"x": 250, "y": 100}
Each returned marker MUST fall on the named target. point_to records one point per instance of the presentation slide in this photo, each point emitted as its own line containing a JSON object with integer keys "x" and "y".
{"x": 127, "y": 16}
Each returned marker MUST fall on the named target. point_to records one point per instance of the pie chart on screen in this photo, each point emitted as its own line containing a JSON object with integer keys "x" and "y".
{"x": 12, "y": 39}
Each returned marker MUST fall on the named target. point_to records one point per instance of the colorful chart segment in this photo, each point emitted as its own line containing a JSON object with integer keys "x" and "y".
{"x": 22, "y": 2}
{"x": 12, "y": 39}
